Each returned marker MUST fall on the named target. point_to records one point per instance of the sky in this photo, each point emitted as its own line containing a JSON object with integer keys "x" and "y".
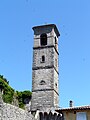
{"x": 72, "y": 17}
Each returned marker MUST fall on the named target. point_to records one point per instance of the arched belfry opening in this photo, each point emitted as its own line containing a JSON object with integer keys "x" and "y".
{"x": 43, "y": 39}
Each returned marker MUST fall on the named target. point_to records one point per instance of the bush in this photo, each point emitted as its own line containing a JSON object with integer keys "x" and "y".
{"x": 9, "y": 93}
{"x": 22, "y": 96}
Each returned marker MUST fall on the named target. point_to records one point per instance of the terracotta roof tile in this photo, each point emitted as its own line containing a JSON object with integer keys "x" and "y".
{"x": 74, "y": 108}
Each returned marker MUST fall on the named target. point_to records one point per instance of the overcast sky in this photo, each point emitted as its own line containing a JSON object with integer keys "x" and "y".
{"x": 72, "y": 17}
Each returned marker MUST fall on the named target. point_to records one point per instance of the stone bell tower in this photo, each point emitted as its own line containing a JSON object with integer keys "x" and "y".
{"x": 45, "y": 68}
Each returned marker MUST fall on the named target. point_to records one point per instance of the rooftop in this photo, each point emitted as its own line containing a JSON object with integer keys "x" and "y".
{"x": 48, "y": 25}
{"x": 74, "y": 108}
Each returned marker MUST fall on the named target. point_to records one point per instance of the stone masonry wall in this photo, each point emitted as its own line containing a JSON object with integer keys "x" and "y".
{"x": 44, "y": 101}
{"x": 10, "y": 112}
{"x": 45, "y": 72}
{"x": 49, "y": 57}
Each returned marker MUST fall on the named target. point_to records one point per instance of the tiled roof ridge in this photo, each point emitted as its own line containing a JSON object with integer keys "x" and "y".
{"x": 74, "y": 108}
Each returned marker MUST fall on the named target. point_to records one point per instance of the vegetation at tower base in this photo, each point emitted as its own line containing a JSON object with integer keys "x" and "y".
{"x": 9, "y": 94}
{"x": 22, "y": 96}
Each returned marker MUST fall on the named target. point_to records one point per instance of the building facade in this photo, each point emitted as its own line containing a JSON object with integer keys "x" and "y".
{"x": 45, "y": 72}
{"x": 76, "y": 113}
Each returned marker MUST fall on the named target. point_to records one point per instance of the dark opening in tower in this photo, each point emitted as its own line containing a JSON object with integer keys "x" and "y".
{"x": 43, "y": 58}
{"x": 43, "y": 39}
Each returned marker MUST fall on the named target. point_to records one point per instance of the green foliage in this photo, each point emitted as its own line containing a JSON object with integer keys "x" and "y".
{"x": 9, "y": 93}
{"x": 22, "y": 96}
{"x": 1, "y": 76}
{"x": 26, "y": 94}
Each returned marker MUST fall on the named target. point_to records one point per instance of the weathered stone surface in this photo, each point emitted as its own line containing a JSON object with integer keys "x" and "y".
{"x": 45, "y": 72}
{"x": 10, "y": 112}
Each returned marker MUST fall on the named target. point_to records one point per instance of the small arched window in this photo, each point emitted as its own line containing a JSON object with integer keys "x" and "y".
{"x": 43, "y": 58}
{"x": 42, "y": 82}
{"x": 43, "y": 39}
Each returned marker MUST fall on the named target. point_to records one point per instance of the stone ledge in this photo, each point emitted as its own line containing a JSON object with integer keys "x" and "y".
{"x": 46, "y": 46}
{"x": 46, "y": 67}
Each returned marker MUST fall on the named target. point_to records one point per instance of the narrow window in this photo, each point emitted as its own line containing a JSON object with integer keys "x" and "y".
{"x": 43, "y": 39}
{"x": 56, "y": 43}
{"x": 55, "y": 40}
{"x": 43, "y": 58}
{"x": 56, "y": 62}
{"x": 56, "y": 85}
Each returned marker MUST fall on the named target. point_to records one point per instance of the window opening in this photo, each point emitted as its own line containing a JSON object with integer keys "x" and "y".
{"x": 42, "y": 82}
{"x": 56, "y": 43}
{"x": 55, "y": 40}
{"x": 43, "y": 39}
{"x": 81, "y": 116}
{"x": 43, "y": 58}
{"x": 56, "y": 85}
{"x": 56, "y": 62}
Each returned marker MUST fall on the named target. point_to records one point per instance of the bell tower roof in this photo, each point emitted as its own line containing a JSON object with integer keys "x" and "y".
{"x": 47, "y": 26}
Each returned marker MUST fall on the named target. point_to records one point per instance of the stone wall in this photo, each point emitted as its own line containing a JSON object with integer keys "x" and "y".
{"x": 49, "y": 57}
{"x": 10, "y": 112}
{"x": 51, "y": 116}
